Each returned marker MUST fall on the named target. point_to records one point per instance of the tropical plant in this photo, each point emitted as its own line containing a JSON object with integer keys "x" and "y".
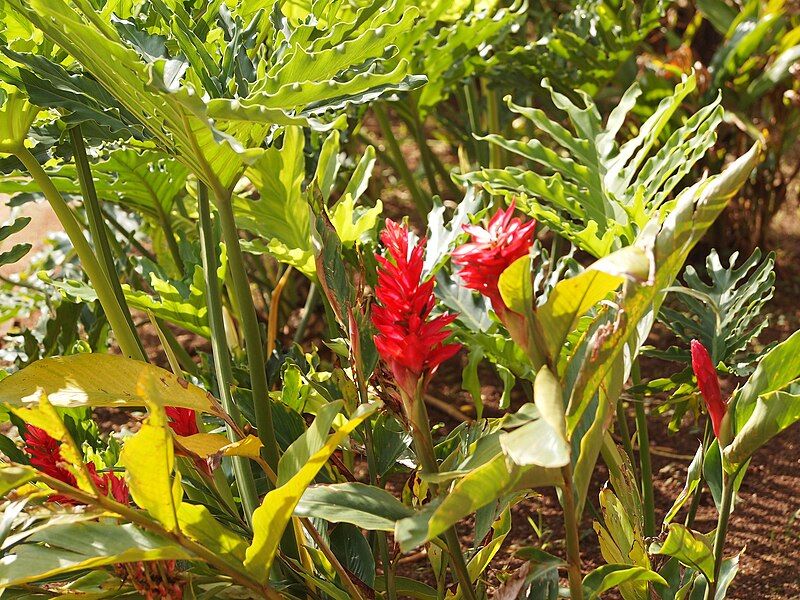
{"x": 228, "y": 286}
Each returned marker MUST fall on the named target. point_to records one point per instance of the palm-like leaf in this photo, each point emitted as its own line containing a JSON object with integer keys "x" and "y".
{"x": 598, "y": 192}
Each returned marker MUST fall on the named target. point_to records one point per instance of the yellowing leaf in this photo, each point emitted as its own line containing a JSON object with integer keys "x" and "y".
{"x": 102, "y": 380}
{"x": 574, "y": 297}
{"x": 270, "y": 519}
{"x": 148, "y": 458}
{"x": 209, "y": 444}
{"x": 516, "y": 287}
{"x": 249, "y": 447}
{"x": 202, "y": 444}
{"x": 198, "y": 523}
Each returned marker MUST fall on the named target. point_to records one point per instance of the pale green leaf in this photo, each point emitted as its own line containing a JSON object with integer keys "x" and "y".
{"x": 365, "y": 506}
{"x": 270, "y": 519}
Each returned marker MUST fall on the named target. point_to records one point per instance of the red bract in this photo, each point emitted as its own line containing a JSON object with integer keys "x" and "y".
{"x": 408, "y": 340}
{"x": 45, "y": 453}
{"x": 491, "y": 251}
{"x": 709, "y": 384}
{"x": 183, "y": 421}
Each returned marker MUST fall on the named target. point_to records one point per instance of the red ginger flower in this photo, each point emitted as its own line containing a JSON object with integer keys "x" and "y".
{"x": 408, "y": 340}
{"x": 709, "y": 384}
{"x": 491, "y": 251}
{"x": 183, "y": 421}
{"x": 45, "y": 453}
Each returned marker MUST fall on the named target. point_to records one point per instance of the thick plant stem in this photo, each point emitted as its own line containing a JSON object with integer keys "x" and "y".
{"x": 624, "y": 431}
{"x": 420, "y": 201}
{"x": 169, "y": 235}
{"x": 423, "y": 444}
{"x": 251, "y": 330}
{"x": 496, "y": 156}
{"x": 573, "y": 539}
{"x": 97, "y": 224}
{"x": 242, "y": 472}
{"x": 646, "y": 469}
{"x": 126, "y": 336}
{"x": 722, "y": 530}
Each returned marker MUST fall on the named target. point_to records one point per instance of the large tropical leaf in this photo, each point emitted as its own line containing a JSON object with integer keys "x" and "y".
{"x": 597, "y": 192}
{"x": 102, "y": 380}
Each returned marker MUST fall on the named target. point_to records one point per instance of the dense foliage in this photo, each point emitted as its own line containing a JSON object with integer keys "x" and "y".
{"x": 228, "y": 281}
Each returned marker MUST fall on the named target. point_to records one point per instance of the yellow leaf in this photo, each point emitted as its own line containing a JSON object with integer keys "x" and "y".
{"x": 203, "y": 444}
{"x": 148, "y": 458}
{"x": 102, "y": 380}
{"x": 270, "y": 519}
{"x": 249, "y": 447}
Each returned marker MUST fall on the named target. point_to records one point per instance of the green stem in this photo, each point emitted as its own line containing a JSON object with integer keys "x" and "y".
{"x": 496, "y": 155}
{"x": 242, "y": 471}
{"x": 722, "y": 531}
{"x": 423, "y": 444}
{"x": 646, "y": 469}
{"x": 308, "y": 309}
{"x": 480, "y": 153}
{"x": 128, "y": 235}
{"x": 573, "y": 537}
{"x": 698, "y": 492}
{"x": 624, "y": 431}
{"x": 169, "y": 235}
{"x": 254, "y": 345}
{"x": 126, "y": 336}
{"x": 97, "y": 225}
{"x": 418, "y": 130}
{"x": 422, "y": 203}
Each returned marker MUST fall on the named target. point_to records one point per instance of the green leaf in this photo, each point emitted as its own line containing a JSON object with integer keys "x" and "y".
{"x": 776, "y": 369}
{"x": 281, "y": 215}
{"x": 308, "y": 444}
{"x": 725, "y": 314}
{"x": 364, "y": 506}
{"x": 486, "y": 482}
{"x": 572, "y": 298}
{"x": 270, "y": 519}
{"x": 197, "y": 522}
{"x": 352, "y": 224}
{"x": 59, "y": 549}
{"x": 442, "y": 238}
{"x": 328, "y": 164}
{"x": 607, "y": 577}
{"x": 692, "y": 480}
{"x": 354, "y": 552}
{"x": 774, "y": 412}
{"x": 594, "y": 191}
{"x": 102, "y": 380}
{"x": 691, "y": 548}
{"x": 16, "y": 116}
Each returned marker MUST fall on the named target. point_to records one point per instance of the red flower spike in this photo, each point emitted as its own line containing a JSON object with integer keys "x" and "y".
{"x": 410, "y": 343}
{"x": 491, "y": 251}
{"x": 709, "y": 384}
{"x": 45, "y": 453}
{"x": 183, "y": 421}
